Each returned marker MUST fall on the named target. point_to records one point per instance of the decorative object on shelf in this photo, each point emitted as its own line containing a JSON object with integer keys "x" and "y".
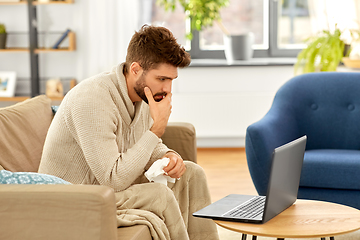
{"x": 54, "y": 88}
{"x": 7, "y": 84}
{"x": 3, "y": 36}
{"x": 62, "y": 38}
{"x": 323, "y": 53}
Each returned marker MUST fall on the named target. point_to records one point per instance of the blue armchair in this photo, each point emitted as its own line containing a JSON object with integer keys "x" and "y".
{"x": 326, "y": 108}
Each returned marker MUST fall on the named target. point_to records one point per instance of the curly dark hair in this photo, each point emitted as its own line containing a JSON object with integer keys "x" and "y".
{"x": 151, "y": 46}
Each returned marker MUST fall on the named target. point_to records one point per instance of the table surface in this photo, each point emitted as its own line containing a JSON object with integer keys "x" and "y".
{"x": 304, "y": 219}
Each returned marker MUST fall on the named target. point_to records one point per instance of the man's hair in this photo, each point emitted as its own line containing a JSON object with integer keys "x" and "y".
{"x": 151, "y": 46}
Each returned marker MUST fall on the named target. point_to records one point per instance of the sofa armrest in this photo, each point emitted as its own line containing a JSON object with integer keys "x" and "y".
{"x": 57, "y": 212}
{"x": 181, "y": 137}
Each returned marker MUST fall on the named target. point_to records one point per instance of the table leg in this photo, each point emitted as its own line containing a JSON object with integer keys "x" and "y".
{"x": 244, "y": 236}
{"x": 332, "y": 238}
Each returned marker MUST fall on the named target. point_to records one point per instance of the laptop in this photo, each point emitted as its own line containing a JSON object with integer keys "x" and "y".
{"x": 287, "y": 161}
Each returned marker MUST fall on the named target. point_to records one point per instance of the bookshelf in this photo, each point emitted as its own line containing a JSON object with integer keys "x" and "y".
{"x": 33, "y": 49}
{"x": 70, "y": 48}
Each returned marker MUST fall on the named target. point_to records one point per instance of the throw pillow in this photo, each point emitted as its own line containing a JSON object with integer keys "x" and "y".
{"x": 7, "y": 177}
{"x": 23, "y": 128}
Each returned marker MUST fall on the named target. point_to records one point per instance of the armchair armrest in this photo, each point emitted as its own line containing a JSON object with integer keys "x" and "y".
{"x": 57, "y": 212}
{"x": 181, "y": 137}
{"x": 273, "y": 130}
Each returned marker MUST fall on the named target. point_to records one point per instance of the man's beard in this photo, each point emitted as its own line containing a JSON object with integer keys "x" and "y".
{"x": 139, "y": 89}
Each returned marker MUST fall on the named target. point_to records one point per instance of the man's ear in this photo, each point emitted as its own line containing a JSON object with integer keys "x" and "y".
{"x": 135, "y": 68}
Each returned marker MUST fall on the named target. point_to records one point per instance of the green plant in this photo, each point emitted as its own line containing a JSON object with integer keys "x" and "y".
{"x": 202, "y": 13}
{"x": 2, "y": 28}
{"x": 324, "y": 53}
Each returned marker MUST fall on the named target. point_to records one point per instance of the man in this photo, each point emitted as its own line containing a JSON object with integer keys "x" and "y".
{"x": 107, "y": 131}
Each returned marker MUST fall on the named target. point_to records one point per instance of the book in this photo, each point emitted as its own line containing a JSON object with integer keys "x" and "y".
{"x": 62, "y": 38}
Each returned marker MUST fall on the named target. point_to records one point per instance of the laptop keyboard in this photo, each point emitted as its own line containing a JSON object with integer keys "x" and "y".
{"x": 249, "y": 209}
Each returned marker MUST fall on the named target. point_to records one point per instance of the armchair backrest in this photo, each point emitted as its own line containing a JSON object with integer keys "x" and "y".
{"x": 325, "y": 107}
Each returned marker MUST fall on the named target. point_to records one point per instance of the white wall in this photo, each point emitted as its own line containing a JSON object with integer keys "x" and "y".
{"x": 220, "y": 101}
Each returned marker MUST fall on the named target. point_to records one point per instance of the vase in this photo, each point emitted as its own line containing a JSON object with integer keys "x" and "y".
{"x": 238, "y": 47}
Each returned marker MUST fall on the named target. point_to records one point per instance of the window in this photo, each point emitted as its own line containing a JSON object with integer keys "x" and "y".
{"x": 279, "y": 26}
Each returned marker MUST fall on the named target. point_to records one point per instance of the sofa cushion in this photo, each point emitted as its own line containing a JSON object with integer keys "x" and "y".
{"x": 23, "y": 128}
{"x": 7, "y": 177}
{"x": 331, "y": 168}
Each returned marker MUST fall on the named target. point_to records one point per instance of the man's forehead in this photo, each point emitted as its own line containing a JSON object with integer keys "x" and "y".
{"x": 165, "y": 70}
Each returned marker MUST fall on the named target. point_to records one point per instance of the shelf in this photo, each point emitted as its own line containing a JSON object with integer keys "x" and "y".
{"x": 72, "y": 47}
{"x": 23, "y": 98}
{"x": 22, "y": 2}
{"x": 14, "y": 50}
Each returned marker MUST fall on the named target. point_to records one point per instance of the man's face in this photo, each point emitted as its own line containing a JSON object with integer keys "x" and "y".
{"x": 159, "y": 81}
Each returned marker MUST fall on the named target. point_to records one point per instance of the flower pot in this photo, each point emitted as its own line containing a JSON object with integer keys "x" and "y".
{"x": 3, "y": 40}
{"x": 238, "y": 47}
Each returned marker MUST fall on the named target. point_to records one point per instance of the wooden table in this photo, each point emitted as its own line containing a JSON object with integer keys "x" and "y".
{"x": 304, "y": 219}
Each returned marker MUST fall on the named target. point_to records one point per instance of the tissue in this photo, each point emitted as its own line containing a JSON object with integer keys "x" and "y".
{"x": 156, "y": 172}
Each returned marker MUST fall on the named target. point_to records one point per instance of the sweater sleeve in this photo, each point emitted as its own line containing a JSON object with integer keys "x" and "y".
{"x": 94, "y": 123}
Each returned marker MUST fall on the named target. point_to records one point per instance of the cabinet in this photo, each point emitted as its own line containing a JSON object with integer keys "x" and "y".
{"x": 33, "y": 49}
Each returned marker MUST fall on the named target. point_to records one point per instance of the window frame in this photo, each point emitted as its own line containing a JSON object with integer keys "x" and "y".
{"x": 271, "y": 20}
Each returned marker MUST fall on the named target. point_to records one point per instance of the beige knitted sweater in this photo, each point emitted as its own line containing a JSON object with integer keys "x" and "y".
{"x": 98, "y": 136}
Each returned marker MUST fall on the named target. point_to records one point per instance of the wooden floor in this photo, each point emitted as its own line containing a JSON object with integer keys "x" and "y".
{"x": 227, "y": 171}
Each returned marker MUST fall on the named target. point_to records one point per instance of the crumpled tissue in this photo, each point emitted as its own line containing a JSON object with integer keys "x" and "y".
{"x": 156, "y": 172}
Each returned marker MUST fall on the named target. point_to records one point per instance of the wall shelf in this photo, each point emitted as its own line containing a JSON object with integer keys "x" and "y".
{"x": 23, "y": 98}
{"x": 70, "y": 48}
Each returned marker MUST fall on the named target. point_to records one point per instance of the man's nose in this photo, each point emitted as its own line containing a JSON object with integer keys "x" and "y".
{"x": 167, "y": 86}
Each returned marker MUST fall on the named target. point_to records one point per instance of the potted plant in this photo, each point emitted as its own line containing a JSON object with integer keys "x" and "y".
{"x": 323, "y": 53}
{"x": 2, "y": 36}
{"x": 203, "y": 13}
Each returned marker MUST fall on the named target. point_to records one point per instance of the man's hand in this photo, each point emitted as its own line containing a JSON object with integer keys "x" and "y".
{"x": 160, "y": 112}
{"x": 176, "y": 167}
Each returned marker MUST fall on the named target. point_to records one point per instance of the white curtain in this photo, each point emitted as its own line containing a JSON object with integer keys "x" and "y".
{"x": 104, "y": 29}
{"x": 325, "y": 14}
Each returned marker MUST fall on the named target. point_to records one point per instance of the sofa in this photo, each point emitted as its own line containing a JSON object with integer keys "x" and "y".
{"x": 61, "y": 211}
{"x": 325, "y": 107}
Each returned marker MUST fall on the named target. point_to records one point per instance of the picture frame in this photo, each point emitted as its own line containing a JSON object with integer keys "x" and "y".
{"x": 7, "y": 84}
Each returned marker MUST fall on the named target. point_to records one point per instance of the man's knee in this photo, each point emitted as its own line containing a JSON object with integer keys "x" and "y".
{"x": 162, "y": 191}
{"x": 194, "y": 170}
